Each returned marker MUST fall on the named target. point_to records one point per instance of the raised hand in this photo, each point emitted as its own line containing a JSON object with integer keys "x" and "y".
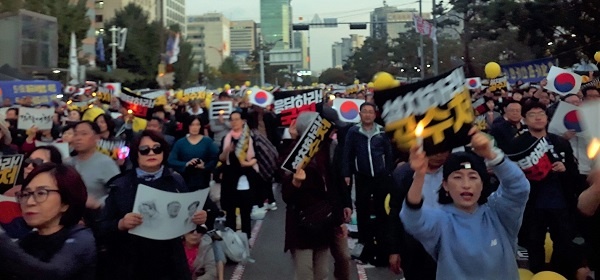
{"x": 481, "y": 144}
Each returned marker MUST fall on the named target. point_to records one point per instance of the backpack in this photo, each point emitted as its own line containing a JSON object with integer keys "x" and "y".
{"x": 235, "y": 245}
{"x": 266, "y": 155}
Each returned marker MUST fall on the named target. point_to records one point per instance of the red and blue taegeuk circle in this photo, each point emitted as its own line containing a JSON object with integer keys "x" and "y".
{"x": 472, "y": 83}
{"x": 349, "y": 110}
{"x": 564, "y": 82}
{"x": 261, "y": 97}
{"x": 571, "y": 121}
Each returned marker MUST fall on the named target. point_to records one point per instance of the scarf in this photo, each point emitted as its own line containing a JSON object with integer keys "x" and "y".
{"x": 149, "y": 176}
{"x": 244, "y": 150}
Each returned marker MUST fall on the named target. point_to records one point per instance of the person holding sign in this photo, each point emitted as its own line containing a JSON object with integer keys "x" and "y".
{"x": 131, "y": 256}
{"x": 469, "y": 240}
{"x": 53, "y": 201}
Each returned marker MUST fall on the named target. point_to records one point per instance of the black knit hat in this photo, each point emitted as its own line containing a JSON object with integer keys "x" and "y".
{"x": 466, "y": 160}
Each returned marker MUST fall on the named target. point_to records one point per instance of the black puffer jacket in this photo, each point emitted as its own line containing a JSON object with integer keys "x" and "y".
{"x": 367, "y": 155}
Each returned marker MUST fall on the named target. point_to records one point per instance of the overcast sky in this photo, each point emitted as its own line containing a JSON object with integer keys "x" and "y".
{"x": 321, "y": 39}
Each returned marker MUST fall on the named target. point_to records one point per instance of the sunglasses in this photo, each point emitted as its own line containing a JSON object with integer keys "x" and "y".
{"x": 35, "y": 161}
{"x": 145, "y": 150}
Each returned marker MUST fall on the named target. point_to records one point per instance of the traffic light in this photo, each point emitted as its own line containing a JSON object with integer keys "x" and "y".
{"x": 358, "y": 26}
{"x": 300, "y": 27}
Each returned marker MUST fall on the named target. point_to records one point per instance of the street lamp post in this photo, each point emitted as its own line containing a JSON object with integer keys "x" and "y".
{"x": 421, "y": 50}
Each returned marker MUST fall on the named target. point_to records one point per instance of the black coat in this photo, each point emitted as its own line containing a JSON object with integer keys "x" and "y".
{"x": 133, "y": 257}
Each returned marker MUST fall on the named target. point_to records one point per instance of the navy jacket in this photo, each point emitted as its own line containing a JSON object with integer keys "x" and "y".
{"x": 367, "y": 155}
{"x": 131, "y": 256}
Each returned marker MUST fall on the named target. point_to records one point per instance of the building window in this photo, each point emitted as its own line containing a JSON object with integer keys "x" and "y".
{"x": 99, "y": 18}
{"x": 99, "y": 5}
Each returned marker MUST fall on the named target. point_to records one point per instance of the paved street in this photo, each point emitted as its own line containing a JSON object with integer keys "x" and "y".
{"x": 272, "y": 263}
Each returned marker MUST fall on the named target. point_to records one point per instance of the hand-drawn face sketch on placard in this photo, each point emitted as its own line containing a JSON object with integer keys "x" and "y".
{"x": 173, "y": 208}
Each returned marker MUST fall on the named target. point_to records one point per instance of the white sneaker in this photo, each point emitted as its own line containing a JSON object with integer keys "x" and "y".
{"x": 270, "y": 206}
{"x": 258, "y": 213}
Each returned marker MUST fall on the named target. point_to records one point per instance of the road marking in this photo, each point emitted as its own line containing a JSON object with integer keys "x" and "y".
{"x": 362, "y": 273}
{"x": 239, "y": 269}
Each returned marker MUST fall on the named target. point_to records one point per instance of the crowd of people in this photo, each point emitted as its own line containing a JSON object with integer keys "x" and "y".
{"x": 459, "y": 214}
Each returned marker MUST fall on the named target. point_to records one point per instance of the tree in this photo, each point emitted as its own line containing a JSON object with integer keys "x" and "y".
{"x": 145, "y": 43}
{"x": 335, "y": 76}
{"x": 567, "y": 30}
{"x": 373, "y": 57}
{"x": 482, "y": 19}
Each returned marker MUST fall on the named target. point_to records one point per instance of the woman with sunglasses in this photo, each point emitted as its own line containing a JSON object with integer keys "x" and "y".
{"x": 11, "y": 219}
{"x": 131, "y": 256}
{"x": 200, "y": 256}
{"x": 53, "y": 201}
{"x": 195, "y": 156}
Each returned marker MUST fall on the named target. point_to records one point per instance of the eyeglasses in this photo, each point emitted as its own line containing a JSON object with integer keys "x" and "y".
{"x": 35, "y": 161}
{"x": 145, "y": 150}
{"x": 39, "y": 196}
{"x": 533, "y": 114}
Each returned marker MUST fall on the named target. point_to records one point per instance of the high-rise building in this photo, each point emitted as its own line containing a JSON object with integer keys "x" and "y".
{"x": 106, "y": 10}
{"x": 379, "y": 22}
{"x": 343, "y": 50}
{"x": 171, "y": 12}
{"x": 243, "y": 41}
{"x": 276, "y": 22}
{"x": 209, "y": 35}
{"x": 389, "y": 22}
{"x": 301, "y": 42}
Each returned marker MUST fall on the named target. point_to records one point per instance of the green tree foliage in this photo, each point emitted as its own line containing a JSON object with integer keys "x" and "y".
{"x": 571, "y": 27}
{"x": 374, "y": 56}
{"x": 145, "y": 42}
{"x": 335, "y": 76}
{"x": 231, "y": 73}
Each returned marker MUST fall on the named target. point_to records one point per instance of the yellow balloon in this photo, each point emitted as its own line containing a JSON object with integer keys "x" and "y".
{"x": 548, "y": 275}
{"x": 247, "y": 84}
{"x": 548, "y": 245}
{"x": 370, "y": 85}
{"x": 138, "y": 124}
{"x": 179, "y": 94}
{"x": 384, "y": 80}
{"x": 585, "y": 78}
{"x": 237, "y": 87}
{"x": 492, "y": 70}
{"x": 597, "y": 56}
{"x": 227, "y": 87}
{"x": 387, "y": 204}
{"x": 356, "y": 82}
{"x": 525, "y": 274}
{"x": 92, "y": 113}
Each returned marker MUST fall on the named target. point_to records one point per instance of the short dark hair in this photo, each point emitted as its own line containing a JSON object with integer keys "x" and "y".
{"x": 530, "y": 106}
{"x": 13, "y": 109}
{"x": 159, "y": 120}
{"x": 584, "y": 91}
{"x": 55, "y": 155}
{"x": 367, "y": 104}
{"x": 71, "y": 188}
{"x": 243, "y": 116}
{"x": 511, "y": 102}
{"x": 93, "y": 125}
{"x": 156, "y": 137}
{"x": 191, "y": 119}
{"x": 66, "y": 128}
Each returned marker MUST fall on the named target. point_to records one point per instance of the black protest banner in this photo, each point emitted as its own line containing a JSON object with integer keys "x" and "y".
{"x": 289, "y": 104}
{"x": 110, "y": 148}
{"x": 500, "y": 83}
{"x": 533, "y": 155}
{"x": 10, "y": 167}
{"x": 141, "y": 107}
{"x": 442, "y": 105}
{"x": 309, "y": 144}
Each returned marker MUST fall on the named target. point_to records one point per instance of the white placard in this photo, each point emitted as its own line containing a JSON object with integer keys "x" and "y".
{"x": 566, "y": 118}
{"x": 40, "y": 117}
{"x": 62, "y": 147}
{"x": 220, "y": 107}
{"x": 348, "y": 109}
{"x": 3, "y": 112}
{"x": 166, "y": 215}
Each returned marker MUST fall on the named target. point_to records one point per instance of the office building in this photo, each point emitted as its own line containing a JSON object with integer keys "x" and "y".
{"x": 341, "y": 51}
{"x": 209, "y": 35}
{"x": 401, "y": 21}
{"x": 276, "y": 22}
{"x": 301, "y": 42}
{"x": 243, "y": 41}
{"x": 171, "y": 12}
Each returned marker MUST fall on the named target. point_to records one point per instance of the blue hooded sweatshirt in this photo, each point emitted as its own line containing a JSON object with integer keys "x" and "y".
{"x": 474, "y": 246}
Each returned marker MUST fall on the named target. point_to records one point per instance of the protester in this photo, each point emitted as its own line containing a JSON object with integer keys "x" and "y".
{"x": 6, "y": 140}
{"x": 95, "y": 168}
{"x": 33, "y": 135}
{"x": 506, "y": 129}
{"x": 239, "y": 173}
{"x": 200, "y": 255}
{"x": 53, "y": 201}
{"x": 220, "y": 126}
{"x": 194, "y": 156}
{"x": 132, "y": 256}
{"x": 156, "y": 124}
{"x": 368, "y": 156}
{"x": 493, "y": 225}
{"x": 106, "y": 125}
